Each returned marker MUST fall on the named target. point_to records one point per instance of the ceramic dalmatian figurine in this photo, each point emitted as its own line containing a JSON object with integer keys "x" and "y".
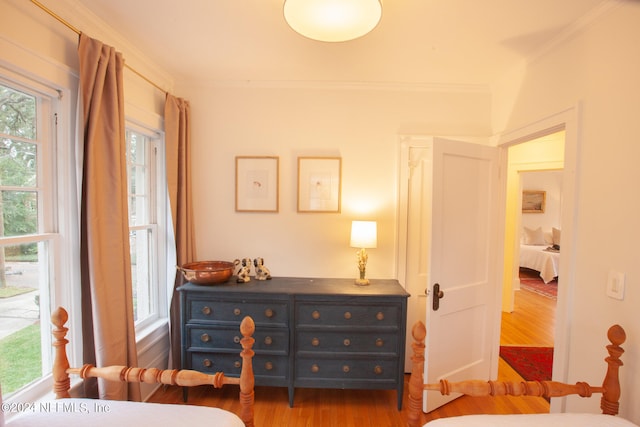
{"x": 243, "y": 270}
{"x": 262, "y": 272}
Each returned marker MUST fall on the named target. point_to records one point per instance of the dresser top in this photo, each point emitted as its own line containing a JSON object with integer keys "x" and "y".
{"x": 304, "y": 286}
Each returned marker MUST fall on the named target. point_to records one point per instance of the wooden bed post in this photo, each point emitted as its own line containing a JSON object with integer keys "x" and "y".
{"x": 416, "y": 380}
{"x": 247, "y": 328}
{"x": 61, "y": 381}
{"x": 610, "y": 388}
{"x": 609, "y": 403}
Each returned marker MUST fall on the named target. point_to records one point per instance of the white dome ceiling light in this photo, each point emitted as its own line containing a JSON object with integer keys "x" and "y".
{"x": 333, "y": 20}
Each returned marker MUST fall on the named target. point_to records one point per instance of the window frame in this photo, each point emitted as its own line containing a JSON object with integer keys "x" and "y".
{"x": 156, "y": 223}
{"x": 55, "y": 229}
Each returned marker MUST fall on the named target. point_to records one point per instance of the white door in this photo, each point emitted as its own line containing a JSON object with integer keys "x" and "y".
{"x": 451, "y": 236}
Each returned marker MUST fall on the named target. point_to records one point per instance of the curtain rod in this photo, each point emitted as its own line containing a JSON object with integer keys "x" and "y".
{"x": 77, "y": 31}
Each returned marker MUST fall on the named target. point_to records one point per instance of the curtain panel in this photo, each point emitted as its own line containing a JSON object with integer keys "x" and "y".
{"x": 177, "y": 122}
{"x": 107, "y": 301}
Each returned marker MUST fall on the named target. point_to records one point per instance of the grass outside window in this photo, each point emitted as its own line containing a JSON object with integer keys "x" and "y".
{"x": 20, "y": 358}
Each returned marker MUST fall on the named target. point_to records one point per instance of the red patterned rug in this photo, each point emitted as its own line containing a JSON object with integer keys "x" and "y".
{"x": 530, "y": 281}
{"x": 532, "y": 363}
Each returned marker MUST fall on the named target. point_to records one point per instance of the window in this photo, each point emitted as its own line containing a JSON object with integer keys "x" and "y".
{"x": 30, "y": 248}
{"x": 146, "y": 212}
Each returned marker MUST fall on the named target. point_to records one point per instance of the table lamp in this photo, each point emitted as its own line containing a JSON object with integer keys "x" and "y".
{"x": 364, "y": 235}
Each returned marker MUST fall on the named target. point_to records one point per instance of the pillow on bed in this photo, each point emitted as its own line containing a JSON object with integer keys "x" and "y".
{"x": 534, "y": 237}
{"x": 555, "y": 232}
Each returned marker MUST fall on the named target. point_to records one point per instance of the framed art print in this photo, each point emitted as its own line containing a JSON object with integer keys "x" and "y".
{"x": 533, "y": 201}
{"x": 319, "y": 184}
{"x": 257, "y": 181}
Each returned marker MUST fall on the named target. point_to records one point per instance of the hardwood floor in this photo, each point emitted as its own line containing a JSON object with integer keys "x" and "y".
{"x": 530, "y": 324}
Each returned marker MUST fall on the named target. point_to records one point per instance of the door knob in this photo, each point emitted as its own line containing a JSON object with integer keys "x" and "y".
{"x": 437, "y": 295}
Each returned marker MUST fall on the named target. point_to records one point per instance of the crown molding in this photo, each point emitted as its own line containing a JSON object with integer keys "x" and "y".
{"x": 350, "y": 86}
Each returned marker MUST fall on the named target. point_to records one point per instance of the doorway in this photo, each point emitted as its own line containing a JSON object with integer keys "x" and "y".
{"x": 567, "y": 121}
{"x": 527, "y": 331}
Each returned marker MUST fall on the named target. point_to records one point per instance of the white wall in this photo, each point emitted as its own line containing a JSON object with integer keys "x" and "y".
{"x": 361, "y": 125}
{"x": 597, "y": 70}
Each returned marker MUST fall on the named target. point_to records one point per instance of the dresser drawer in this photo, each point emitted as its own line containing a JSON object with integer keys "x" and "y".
{"x": 262, "y": 312}
{"x": 322, "y": 314}
{"x": 267, "y": 340}
{"x": 346, "y": 341}
{"x": 346, "y": 369}
{"x": 263, "y": 365}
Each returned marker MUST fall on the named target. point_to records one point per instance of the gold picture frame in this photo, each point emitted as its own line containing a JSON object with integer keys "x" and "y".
{"x": 257, "y": 184}
{"x": 319, "y": 184}
{"x": 533, "y": 201}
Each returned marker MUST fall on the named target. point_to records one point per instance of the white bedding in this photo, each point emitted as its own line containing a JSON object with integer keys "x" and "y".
{"x": 110, "y": 413}
{"x": 532, "y": 420}
{"x": 536, "y": 258}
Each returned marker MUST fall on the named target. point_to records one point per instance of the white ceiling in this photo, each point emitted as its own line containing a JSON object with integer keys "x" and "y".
{"x": 442, "y": 42}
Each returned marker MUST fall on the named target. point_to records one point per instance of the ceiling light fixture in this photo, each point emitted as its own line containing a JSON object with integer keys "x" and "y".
{"x": 333, "y": 20}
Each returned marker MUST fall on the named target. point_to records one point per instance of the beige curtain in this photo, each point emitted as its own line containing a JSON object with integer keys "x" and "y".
{"x": 107, "y": 303}
{"x": 177, "y": 118}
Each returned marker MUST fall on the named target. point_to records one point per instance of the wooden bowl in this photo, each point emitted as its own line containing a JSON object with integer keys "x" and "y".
{"x": 207, "y": 272}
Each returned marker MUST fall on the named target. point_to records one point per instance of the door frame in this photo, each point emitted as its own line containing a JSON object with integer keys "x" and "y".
{"x": 569, "y": 121}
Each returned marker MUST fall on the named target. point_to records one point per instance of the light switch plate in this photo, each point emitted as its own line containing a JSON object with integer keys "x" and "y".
{"x": 615, "y": 285}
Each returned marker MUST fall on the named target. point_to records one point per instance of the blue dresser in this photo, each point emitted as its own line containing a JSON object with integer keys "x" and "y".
{"x": 310, "y": 332}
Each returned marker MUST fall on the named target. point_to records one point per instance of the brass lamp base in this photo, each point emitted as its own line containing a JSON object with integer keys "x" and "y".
{"x": 362, "y": 282}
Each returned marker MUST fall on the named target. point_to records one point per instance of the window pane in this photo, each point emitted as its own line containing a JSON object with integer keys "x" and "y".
{"x": 19, "y": 211}
{"x": 18, "y": 163}
{"x": 24, "y": 349}
{"x": 141, "y": 253}
{"x": 17, "y": 113}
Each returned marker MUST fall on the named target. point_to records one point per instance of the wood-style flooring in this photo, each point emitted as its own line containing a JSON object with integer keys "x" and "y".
{"x": 530, "y": 324}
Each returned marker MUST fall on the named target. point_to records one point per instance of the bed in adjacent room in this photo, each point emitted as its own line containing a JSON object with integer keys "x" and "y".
{"x": 540, "y": 251}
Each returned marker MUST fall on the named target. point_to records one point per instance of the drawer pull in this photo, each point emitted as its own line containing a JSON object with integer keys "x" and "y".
{"x": 268, "y": 366}
{"x": 207, "y": 363}
{"x": 206, "y": 310}
{"x": 379, "y": 342}
{"x": 315, "y": 314}
{"x": 268, "y": 313}
{"x": 346, "y": 369}
{"x": 237, "y": 311}
{"x": 315, "y": 368}
{"x": 236, "y": 339}
{"x": 237, "y": 364}
{"x": 315, "y": 342}
{"x": 347, "y": 315}
{"x": 377, "y": 370}
{"x": 346, "y": 342}
{"x": 380, "y": 315}
{"x": 205, "y": 337}
{"x": 268, "y": 340}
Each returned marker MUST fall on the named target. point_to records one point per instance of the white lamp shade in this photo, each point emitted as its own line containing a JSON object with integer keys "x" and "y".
{"x": 332, "y": 20}
{"x": 364, "y": 234}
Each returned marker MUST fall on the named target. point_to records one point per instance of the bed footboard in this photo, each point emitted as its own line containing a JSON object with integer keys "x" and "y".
{"x": 184, "y": 377}
{"x": 610, "y": 388}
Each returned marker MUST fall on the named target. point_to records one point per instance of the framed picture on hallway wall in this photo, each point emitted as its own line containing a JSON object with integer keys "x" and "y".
{"x": 319, "y": 184}
{"x": 257, "y": 181}
{"x": 533, "y": 201}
